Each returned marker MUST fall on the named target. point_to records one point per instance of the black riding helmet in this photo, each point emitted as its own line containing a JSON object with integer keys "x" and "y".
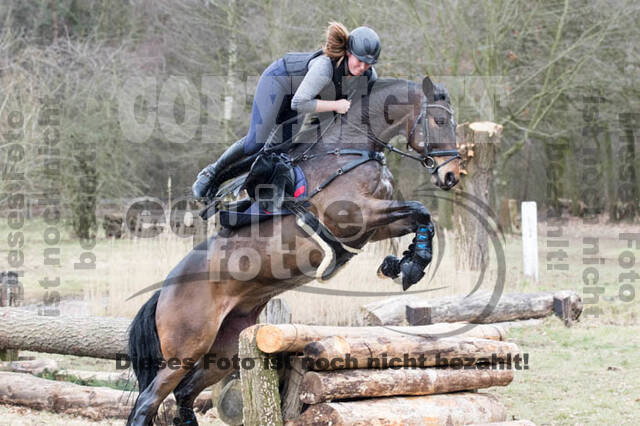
{"x": 364, "y": 44}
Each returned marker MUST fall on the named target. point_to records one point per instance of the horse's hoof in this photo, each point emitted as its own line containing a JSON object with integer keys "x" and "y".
{"x": 389, "y": 268}
{"x": 412, "y": 272}
{"x": 186, "y": 417}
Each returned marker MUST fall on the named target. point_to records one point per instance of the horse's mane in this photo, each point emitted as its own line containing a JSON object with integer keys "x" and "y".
{"x": 440, "y": 92}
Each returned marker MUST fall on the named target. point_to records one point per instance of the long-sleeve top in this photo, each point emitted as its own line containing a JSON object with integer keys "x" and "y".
{"x": 320, "y": 74}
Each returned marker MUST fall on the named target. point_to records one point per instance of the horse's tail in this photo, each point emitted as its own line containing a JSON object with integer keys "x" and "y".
{"x": 144, "y": 343}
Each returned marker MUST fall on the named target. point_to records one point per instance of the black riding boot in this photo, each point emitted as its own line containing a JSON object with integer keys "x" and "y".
{"x": 209, "y": 178}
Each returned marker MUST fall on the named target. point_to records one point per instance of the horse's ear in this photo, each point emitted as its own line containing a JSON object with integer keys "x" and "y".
{"x": 427, "y": 88}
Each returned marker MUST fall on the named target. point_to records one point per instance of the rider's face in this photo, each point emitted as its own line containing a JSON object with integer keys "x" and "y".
{"x": 356, "y": 66}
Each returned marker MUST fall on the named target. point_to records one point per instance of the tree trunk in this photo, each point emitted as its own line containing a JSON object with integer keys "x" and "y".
{"x": 403, "y": 350}
{"x": 294, "y": 337}
{"x": 478, "y": 147}
{"x": 232, "y": 55}
{"x": 450, "y": 409}
{"x": 277, "y": 311}
{"x": 627, "y": 205}
{"x": 334, "y": 385}
{"x": 514, "y": 215}
{"x": 510, "y": 307}
{"x": 98, "y": 337}
{"x": 260, "y": 394}
{"x": 526, "y": 167}
{"x": 96, "y": 403}
{"x": 610, "y": 181}
{"x": 505, "y": 217}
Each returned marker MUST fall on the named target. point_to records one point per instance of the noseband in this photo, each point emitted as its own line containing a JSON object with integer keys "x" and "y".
{"x": 428, "y": 160}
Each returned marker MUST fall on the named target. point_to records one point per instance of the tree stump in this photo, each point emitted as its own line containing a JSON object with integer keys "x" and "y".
{"x": 478, "y": 144}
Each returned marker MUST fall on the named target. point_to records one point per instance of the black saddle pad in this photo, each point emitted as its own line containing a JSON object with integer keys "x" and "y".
{"x": 245, "y": 211}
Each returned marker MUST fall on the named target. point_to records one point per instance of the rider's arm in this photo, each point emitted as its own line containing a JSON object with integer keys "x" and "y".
{"x": 318, "y": 76}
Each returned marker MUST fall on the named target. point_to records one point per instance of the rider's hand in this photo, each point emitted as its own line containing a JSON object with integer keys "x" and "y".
{"x": 342, "y": 106}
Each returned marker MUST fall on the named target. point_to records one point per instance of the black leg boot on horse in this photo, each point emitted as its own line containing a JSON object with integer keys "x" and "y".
{"x": 414, "y": 260}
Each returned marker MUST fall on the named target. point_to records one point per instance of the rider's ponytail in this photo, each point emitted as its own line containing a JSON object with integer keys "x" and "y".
{"x": 336, "y": 44}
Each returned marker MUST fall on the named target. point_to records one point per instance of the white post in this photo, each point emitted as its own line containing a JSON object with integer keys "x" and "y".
{"x": 530, "y": 239}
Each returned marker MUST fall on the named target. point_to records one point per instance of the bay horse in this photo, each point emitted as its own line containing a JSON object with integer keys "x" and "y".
{"x": 223, "y": 284}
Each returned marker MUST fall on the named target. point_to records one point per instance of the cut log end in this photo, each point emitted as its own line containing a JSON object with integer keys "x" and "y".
{"x": 270, "y": 339}
{"x": 486, "y": 127}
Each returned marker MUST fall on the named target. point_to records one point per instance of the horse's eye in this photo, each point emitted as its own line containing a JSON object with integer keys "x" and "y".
{"x": 440, "y": 121}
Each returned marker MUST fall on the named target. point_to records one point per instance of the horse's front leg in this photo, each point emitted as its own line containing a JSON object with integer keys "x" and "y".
{"x": 397, "y": 218}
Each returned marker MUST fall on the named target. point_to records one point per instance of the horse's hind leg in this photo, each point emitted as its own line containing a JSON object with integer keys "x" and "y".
{"x": 185, "y": 336}
{"x": 208, "y": 369}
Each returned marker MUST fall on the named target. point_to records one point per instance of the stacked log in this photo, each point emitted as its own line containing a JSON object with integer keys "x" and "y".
{"x": 450, "y": 409}
{"x": 294, "y": 337}
{"x": 375, "y": 375}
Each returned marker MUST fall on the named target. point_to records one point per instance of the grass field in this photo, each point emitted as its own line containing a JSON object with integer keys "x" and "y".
{"x": 586, "y": 374}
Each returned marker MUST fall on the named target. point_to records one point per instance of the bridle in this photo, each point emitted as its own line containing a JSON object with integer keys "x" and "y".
{"x": 428, "y": 158}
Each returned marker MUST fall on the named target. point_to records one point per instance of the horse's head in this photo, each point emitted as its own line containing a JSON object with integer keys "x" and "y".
{"x": 432, "y": 133}
{"x": 398, "y": 107}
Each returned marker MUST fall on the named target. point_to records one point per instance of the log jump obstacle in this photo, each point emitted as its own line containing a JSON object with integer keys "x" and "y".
{"x": 378, "y": 384}
{"x": 384, "y": 375}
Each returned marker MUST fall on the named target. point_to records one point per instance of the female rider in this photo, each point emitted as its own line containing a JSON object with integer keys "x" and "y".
{"x": 290, "y": 86}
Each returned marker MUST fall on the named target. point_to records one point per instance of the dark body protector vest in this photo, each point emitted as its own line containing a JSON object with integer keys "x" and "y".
{"x": 297, "y": 64}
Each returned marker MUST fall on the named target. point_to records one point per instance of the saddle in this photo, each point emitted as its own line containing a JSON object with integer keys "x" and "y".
{"x": 269, "y": 166}
{"x": 272, "y": 179}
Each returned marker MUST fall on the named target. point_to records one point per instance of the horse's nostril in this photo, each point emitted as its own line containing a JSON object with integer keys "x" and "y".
{"x": 450, "y": 179}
